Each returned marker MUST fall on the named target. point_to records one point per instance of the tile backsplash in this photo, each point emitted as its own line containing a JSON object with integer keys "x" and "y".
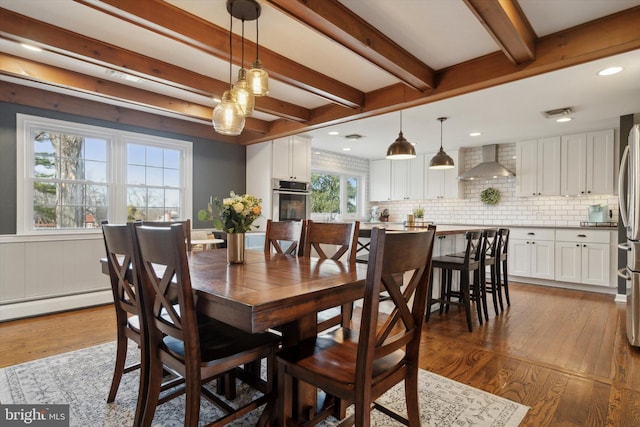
{"x": 511, "y": 210}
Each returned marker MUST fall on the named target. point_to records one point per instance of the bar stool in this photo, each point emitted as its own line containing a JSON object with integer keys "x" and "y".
{"x": 501, "y": 265}
{"x": 490, "y": 259}
{"x": 466, "y": 263}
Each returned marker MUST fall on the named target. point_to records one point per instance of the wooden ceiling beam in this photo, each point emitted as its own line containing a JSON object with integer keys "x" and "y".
{"x": 74, "y": 45}
{"x": 173, "y": 22}
{"x": 19, "y": 67}
{"x": 337, "y": 22}
{"x": 608, "y": 36}
{"x": 508, "y": 26}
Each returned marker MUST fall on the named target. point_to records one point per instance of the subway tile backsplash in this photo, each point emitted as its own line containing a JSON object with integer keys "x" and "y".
{"x": 511, "y": 210}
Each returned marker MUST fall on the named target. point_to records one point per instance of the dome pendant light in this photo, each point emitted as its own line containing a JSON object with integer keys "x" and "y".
{"x": 401, "y": 149}
{"x": 228, "y": 117}
{"x": 441, "y": 160}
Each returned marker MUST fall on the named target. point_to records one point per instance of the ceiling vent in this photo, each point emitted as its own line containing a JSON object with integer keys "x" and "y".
{"x": 558, "y": 112}
{"x": 353, "y": 137}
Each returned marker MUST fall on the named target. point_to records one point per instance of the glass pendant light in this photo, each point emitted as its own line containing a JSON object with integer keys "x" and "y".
{"x": 401, "y": 148}
{"x": 240, "y": 90}
{"x": 441, "y": 160}
{"x": 228, "y": 117}
{"x": 258, "y": 79}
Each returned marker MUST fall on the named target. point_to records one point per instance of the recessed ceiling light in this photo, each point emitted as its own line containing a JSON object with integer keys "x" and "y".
{"x": 31, "y": 47}
{"x": 609, "y": 71}
{"x": 334, "y": 132}
{"x": 564, "y": 119}
{"x": 346, "y": 149}
{"x": 475, "y": 134}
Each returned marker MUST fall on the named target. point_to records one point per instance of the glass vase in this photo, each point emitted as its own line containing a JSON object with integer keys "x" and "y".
{"x": 235, "y": 248}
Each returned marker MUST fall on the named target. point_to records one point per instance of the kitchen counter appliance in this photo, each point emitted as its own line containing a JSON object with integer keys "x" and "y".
{"x": 291, "y": 200}
{"x": 630, "y": 215}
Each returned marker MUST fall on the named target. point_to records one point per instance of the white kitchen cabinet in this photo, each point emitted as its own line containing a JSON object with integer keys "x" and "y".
{"x": 292, "y": 158}
{"x": 443, "y": 183}
{"x": 380, "y": 180}
{"x": 538, "y": 167}
{"x": 407, "y": 179}
{"x": 583, "y": 256}
{"x": 588, "y": 163}
{"x": 531, "y": 253}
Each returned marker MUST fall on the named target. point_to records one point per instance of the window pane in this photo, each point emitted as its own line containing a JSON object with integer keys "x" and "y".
{"x": 171, "y": 178}
{"x": 172, "y": 159}
{"x": 95, "y": 149}
{"x": 136, "y": 175}
{"x": 96, "y": 171}
{"x": 135, "y": 154}
{"x": 352, "y": 195}
{"x": 154, "y": 177}
{"x": 156, "y": 197}
{"x": 325, "y": 193}
{"x": 154, "y": 156}
{"x": 172, "y": 199}
{"x": 136, "y": 196}
{"x": 44, "y": 166}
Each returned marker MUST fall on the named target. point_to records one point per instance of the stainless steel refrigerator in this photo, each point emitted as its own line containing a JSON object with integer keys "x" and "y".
{"x": 630, "y": 215}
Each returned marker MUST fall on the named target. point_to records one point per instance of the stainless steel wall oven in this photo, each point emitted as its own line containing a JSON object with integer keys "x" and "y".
{"x": 291, "y": 200}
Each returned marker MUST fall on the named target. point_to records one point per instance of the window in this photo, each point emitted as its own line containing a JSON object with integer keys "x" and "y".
{"x": 335, "y": 193}
{"x": 73, "y": 176}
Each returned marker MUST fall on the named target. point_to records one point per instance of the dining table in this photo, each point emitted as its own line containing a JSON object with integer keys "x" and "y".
{"x": 270, "y": 291}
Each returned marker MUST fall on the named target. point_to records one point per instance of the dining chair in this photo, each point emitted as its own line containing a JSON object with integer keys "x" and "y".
{"x": 467, "y": 263}
{"x": 489, "y": 279}
{"x": 284, "y": 233}
{"x": 359, "y": 365}
{"x": 334, "y": 240}
{"x": 200, "y": 349}
{"x": 185, "y": 223}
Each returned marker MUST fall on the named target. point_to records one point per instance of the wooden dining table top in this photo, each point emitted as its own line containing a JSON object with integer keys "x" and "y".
{"x": 269, "y": 290}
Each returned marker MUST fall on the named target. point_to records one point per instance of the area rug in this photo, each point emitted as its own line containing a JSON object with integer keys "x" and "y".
{"x": 82, "y": 379}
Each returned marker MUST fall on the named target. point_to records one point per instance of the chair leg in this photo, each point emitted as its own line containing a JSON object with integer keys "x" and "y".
{"x": 153, "y": 389}
{"x": 495, "y": 290}
{"x": 429, "y": 297}
{"x": 498, "y": 277}
{"x": 118, "y": 370}
{"x": 464, "y": 291}
{"x": 411, "y": 398}
{"x": 477, "y": 288}
{"x": 192, "y": 401}
{"x": 506, "y": 282}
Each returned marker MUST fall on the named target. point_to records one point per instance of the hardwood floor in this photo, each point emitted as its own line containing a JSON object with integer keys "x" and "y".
{"x": 563, "y": 353}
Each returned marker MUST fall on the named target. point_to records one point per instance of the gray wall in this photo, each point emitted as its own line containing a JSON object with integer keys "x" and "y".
{"x": 217, "y": 167}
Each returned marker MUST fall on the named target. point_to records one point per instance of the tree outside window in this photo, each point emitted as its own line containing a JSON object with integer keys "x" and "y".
{"x": 333, "y": 193}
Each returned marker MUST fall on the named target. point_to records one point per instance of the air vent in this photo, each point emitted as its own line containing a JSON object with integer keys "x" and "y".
{"x": 353, "y": 137}
{"x": 559, "y": 112}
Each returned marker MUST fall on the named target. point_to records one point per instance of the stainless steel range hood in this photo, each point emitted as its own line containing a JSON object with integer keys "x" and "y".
{"x": 489, "y": 168}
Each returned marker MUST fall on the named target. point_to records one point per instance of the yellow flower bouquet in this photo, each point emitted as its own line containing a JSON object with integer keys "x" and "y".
{"x": 234, "y": 214}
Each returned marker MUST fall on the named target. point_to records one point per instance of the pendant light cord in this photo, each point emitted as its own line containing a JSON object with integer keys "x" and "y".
{"x": 230, "y": 46}
{"x": 242, "y": 60}
{"x": 257, "y": 38}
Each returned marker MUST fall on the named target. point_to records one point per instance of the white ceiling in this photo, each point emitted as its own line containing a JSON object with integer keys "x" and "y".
{"x": 440, "y": 33}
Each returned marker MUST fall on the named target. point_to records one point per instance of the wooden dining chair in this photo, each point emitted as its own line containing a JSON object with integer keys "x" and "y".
{"x": 358, "y": 366}
{"x": 185, "y": 223}
{"x": 197, "y": 348}
{"x": 284, "y": 233}
{"x": 334, "y": 240}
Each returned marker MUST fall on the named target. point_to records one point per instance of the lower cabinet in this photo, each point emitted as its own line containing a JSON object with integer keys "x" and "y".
{"x": 583, "y": 257}
{"x": 531, "y": 253}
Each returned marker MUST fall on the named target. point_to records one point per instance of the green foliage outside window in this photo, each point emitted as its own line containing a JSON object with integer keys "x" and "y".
{"x": 325, "y": 193}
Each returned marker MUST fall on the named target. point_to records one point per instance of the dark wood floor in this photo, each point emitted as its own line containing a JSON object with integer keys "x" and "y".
{"x": 563, "y": 353}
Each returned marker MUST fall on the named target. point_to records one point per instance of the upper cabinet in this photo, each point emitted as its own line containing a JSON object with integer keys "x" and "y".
{"x": 380, "y": 180}
{"x": 443, "y": 183}
{"x": 292, "y": 158}
{"x": 407, "y": 179}
{"x": 588, "y": 163}
{"x": 538, "y": 167}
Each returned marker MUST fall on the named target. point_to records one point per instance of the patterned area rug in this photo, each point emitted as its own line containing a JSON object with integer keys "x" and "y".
{"x": 82, "y": 379}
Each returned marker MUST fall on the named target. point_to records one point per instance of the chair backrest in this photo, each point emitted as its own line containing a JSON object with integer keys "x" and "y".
{"x": 344, "y": 235}
{"x": 400, "y": 264}
{"x": 165, "y": 275}
{"x": 283, "y": 233}
{"x": 490, "y": 242}
{"x": 123, "y": 270}
{"x": 503, "y": 243}
{"x": 186, "y": 224}
{"x": 473, "y": 246}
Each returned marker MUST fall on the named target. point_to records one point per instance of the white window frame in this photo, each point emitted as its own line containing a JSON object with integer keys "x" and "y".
{"x": 117, "y": 169}
{"x": 343, "y": 191}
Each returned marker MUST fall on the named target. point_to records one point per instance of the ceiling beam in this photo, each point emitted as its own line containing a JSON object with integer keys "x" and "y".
{"x": 19, "y": 67}
{"x": 67, "y": 43}
{"x": 337, "y": 22}
{"x": 508, "y": 26}
{"x": 604, "y": 37}
{"x": 170, "y": 21}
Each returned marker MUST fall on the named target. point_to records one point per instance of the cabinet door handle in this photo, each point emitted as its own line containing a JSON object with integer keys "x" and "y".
{"x": 531, "y": 234}
{"x": 533, "y": 243}
{"x": 577, "y": 245}
{"x": 582, "y": 235}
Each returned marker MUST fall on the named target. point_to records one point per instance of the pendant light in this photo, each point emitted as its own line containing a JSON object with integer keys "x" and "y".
{"x": 228, "y": 117}
{"x": 240, "y": 90}
{"x": 257, "y": 78}
{"x": 441, "y": 160}
{"x": 401, "y": 149}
